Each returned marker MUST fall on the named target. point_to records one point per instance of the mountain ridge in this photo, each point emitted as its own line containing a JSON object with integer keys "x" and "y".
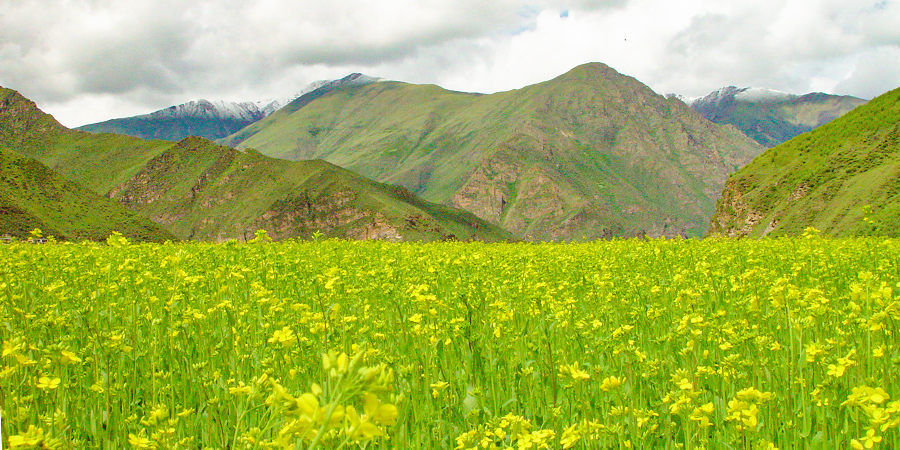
{"x": 33, "y": 196}
{"x": 768, "y": 116}
{"x": 200, "y": 190}
{"x": 546, "y": 145}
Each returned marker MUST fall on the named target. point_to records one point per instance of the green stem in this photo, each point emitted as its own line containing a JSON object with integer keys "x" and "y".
{"x": 315, "y": 442}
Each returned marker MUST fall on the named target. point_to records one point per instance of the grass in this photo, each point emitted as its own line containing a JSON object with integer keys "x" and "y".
{"x": 33, "y": 196}
{"x": 847, "y": 169}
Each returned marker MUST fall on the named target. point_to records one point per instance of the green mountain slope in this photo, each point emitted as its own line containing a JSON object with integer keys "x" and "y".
{"x": 771, "y": 119}
{"x": 33, "y": 196}
{"x": 199, "y": 190}
{"x": 590, "y": 154}
{"x": 842, "y": 178}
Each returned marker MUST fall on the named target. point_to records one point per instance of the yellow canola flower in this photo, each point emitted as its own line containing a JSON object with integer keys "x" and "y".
{"x": 240, "y": 389}
{"x": 11, "y": 348}
{"x": 32, "y": 437}
{"x": 573, "y": 371}
{"x": 754, "y": 395}
{"x": 865, "y": 394}
{"x": 836, "y": 370}
{"x": 437, "y": 388}
{"x": 139, "y": 441}
{"x": 335, "y": 363}
{"x": 381, "y": 413}
{"x": 67, "y": 357}
{"x": 360, "y": 427}
{"x": 24, "y": 360}
{"x": 284, "y": 336}
{"x": 308, "y": 404}
{"x": 813, "y": 350}
{"x": 610, "y": 383}
{"x": 47, "y": 383}
{"x": 868, "y": 441}
{"x": 570, "y": 437}
{"x": 701, "y": 415}
{"x": 536, "y": 439}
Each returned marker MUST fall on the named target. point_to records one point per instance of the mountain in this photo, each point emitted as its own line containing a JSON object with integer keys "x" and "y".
{"x": 200, "y": 190}
{"x": 33, "y": 196}
{"x": 842, "y": 178}
{"x": 771, "y": 117}
{"x": 208, "y": 119}
{"x": 589, "y": 154}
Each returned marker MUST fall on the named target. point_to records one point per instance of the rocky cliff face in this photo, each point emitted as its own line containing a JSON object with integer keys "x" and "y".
{"x": 209, "y": 192}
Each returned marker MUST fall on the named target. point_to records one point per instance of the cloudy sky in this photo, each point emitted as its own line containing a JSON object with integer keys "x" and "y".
{"x": 90, "y": 60}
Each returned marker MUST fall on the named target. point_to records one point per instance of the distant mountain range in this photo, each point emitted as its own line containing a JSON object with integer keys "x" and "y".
{"x": 589, "y": 154}
{"x": 208, "y": 119}
{"x": 771, "y": 117}
{"x": 197, "y": 189}
{"x": 768, "y": 116}
{"x": 842, "y": 178}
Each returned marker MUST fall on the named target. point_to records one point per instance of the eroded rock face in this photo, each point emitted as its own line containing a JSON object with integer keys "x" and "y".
{"x": 488, "y": 192}
{"x": 733, "y": 216}
{"x": 302, "y": 216}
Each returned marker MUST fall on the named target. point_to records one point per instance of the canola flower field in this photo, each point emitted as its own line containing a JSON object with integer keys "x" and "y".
{"x": 629, "y": 344}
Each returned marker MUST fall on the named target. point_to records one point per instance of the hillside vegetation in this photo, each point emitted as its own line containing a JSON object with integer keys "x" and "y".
{"x": 587, "y": 155}
{"x": 33, "y": 196}
{"x": 202, "y": 191}
{"x": 842, "y": 178}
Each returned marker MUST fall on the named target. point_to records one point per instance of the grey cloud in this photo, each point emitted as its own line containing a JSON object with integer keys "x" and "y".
{"x": 156, "y": 51}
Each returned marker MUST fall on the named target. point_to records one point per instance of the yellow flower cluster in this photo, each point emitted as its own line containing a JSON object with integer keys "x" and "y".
{"x": 317, "y": 414}
{"x": 882, "y": 414}
{"x": 743, "y": 409}
{"x": 616, "y": 344}
{"x": 507, "y": 432}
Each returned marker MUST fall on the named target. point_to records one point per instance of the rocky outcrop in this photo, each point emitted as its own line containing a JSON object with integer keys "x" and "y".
{"x": 734, "y": 217}
{"x": 330, "y": 214}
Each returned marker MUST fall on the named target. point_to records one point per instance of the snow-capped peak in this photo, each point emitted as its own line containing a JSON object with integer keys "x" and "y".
{"x": 250, "y": 111}
{"x": 748, "y": 95}
{"x": 716, "y": 97}
{"x": 271, "y": 105}
{"x": 684, "y": 99}
{"x": 762, "y": 95}
{"x": 245, "y": 111}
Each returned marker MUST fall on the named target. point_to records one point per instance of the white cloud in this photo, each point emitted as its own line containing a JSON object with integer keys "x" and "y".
{"x": 875, "y": 71}
{"x": 90, "y": 60}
